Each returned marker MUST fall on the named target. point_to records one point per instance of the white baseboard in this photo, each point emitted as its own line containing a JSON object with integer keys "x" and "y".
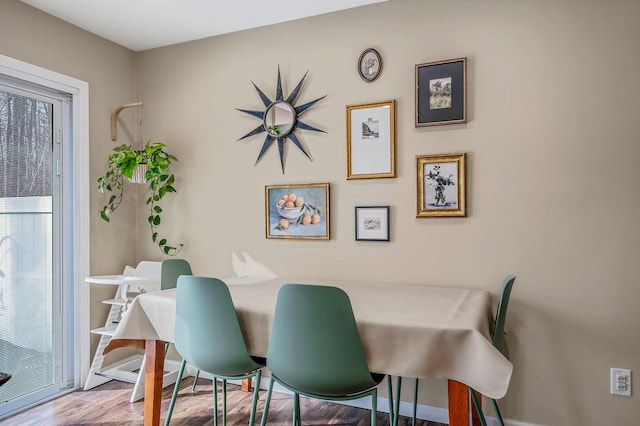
{"x": 424, "y": 412}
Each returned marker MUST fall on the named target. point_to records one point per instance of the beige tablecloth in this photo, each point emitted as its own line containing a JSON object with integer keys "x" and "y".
{"x": 408, "y": 331}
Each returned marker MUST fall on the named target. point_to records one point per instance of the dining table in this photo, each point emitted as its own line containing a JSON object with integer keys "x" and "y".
{"x": 407, "y": 330}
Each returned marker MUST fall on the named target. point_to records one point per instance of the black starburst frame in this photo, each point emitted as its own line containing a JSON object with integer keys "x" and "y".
{"x": 299, "y": 110}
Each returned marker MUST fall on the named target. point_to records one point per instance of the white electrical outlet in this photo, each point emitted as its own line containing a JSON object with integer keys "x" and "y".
{"x": 620, "y": 382}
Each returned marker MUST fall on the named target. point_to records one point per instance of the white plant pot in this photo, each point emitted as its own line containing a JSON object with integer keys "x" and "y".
{"x": 139, "y": 174}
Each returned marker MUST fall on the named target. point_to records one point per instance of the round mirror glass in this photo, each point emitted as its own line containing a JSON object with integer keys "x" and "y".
{"x": 279, "y": 119}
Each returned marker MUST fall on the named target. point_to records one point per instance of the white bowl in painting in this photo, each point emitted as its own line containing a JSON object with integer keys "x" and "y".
{"x": 290, "y": 213}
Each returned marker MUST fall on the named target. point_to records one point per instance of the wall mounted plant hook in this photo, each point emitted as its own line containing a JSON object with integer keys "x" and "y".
{"x": 114, "y": 118}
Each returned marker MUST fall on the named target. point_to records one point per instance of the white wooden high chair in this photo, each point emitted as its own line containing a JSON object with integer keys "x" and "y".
{"x": 145, "y": 277}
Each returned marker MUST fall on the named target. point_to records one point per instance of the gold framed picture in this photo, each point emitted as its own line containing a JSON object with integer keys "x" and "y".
{"x": 371, "y": 140}
{"x": 299, "y": 211}
{"x": 441, "y": 185}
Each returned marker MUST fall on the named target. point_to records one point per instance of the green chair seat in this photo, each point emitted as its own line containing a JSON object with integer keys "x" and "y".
{"x": 170, "y": 270}
{"x": 208, "y": 336}
{"x": 315, "y": 348}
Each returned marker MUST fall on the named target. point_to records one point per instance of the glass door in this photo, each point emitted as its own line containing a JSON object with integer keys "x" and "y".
{"x": 32, "y": 327}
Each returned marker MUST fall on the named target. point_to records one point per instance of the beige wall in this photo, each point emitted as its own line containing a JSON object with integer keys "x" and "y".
{"x": 551, "y": 143}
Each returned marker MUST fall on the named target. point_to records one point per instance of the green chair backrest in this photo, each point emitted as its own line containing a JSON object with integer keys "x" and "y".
{"x": 315, "y": 346}
{"x": 207, "y": 332}
{"x": 501, "y": 314}
{"x": 171, "y": 269}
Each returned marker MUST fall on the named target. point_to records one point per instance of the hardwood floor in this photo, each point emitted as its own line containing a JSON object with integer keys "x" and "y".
{"x": 108, "y": 405}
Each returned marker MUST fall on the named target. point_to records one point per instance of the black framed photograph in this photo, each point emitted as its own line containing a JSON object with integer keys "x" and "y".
{"x": 441, "y": 92}
{"x": 441, "y": 185}
{"x": 372, "y": 223}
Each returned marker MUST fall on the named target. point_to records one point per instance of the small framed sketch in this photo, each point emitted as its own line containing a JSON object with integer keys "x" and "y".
{"x": 372, "y": 223}
{"x": 441, "y": 92}
{"x": 369, "y": 65}
{"x": 441, "y": 185}
{"x": 297, "y": 211}
{"x": 371, "y": 140}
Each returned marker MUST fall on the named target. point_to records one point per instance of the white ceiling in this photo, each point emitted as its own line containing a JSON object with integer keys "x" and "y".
{"x": 145, "y": 24}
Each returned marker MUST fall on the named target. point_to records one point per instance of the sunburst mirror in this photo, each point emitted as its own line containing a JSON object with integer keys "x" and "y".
{"x": 281, "y": 119}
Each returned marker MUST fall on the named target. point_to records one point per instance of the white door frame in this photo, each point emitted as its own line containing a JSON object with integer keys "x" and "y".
{"x": 79, "y": 91}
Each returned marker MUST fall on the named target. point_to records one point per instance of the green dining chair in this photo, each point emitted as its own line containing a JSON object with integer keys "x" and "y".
{"x": 170, "y": 270}
{"x": 315, "y": 349}
{"x": 208, "y": 336}
{"x": 498, "y": 342}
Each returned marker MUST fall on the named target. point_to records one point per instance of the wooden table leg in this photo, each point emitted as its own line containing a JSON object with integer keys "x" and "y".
{"x": 154, "y": 353}
{"x": 246, "y": 385}
{"x": 459, "y": 405}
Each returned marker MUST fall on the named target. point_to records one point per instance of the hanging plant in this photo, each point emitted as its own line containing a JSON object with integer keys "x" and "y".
{"x": 123, "y": 163}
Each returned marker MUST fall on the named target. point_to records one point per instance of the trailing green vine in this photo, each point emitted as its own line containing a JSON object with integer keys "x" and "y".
{"x": 122, "y": 163}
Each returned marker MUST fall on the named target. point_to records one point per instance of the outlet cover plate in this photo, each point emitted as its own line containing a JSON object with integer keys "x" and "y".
{"x": 620, "y": 381}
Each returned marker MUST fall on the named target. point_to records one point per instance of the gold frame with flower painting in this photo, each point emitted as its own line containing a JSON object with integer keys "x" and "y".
{"x": 441, "y": 185}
